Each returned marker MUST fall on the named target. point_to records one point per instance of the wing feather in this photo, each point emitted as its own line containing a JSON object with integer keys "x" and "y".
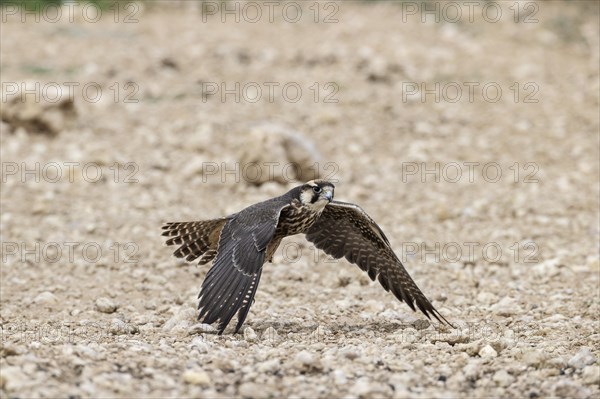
{"x": 196, "y": 239}
{"x": 345, "y": 230}
{"x": 231, "y": 283}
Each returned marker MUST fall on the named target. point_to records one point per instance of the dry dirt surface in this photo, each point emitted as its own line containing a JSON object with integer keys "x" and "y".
{"x": 472, "y": 140}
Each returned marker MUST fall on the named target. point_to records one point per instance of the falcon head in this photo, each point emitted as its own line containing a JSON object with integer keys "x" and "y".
{"x": 316, "y": 193}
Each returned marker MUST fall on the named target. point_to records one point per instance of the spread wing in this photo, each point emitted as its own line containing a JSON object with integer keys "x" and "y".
{"x": 231, "y": 283}
{"x": 345, "y": 230}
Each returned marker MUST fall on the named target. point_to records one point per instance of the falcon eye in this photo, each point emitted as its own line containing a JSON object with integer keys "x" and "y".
{"x": 317, "y": 189}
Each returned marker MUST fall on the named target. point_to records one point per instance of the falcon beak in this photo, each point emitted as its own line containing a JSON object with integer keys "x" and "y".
{"x": 328, "y": 195}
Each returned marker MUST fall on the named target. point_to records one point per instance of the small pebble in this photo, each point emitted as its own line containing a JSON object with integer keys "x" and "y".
{"x": 583, "y": 358}
{"x": 250, "y": 390}
{"x": 591, "y": 375}
{"x": 249, "y": 334}
{"x": 196, "y": 377}
{"x": 502, "y": 378}
{"x": 105, "y": 305}
{"x": 488, "y": 352}
{"x": 270, "y": 335}
{"x": 46, "y": 298}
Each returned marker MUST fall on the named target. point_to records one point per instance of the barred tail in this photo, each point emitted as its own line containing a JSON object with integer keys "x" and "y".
{"x": 195, "y": 239}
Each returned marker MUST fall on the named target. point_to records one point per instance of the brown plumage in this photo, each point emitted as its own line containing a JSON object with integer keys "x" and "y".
{"x": 241, "y": 243}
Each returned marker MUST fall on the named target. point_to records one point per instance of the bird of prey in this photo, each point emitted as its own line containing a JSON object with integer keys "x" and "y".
{"x": 241, "y": 243}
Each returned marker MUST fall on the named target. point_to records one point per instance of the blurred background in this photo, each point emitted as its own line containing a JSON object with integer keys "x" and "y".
{"x": 467, "y": 130}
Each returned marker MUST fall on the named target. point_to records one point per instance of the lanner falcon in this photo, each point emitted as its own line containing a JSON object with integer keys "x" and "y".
{"x": 241, "y": 243}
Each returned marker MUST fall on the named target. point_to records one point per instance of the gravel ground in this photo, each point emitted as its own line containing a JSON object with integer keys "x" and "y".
{"x": 94, "y": 305}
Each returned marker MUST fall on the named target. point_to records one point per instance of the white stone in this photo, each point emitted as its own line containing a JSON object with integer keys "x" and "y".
{"x": 506, "y": 307}
{"x": 200, "y": 344}
{"x": 305, "y": 360}
{"x": 570, "y": 389}
{"x": 249, "y": 334}
{"x": 472, "y": 369}
{"x": 251, "y": 390}
{"x": 339, "y": 377}
{"x": 119, "y": 327}
{"x": 591, "y": 375}
{"x": 583, "y": 358}
{"x": 46, "y": 298}
{"x": 270, "y": 366}
{"x": 12, "y": 378}
{"x": 502, "y": 378}
{"x": 182, "y": 320}
{"x": 105, "y": 305}
{"x": 363, "y": 387}
{"x": 305, "y": 357}
{"x": 487, "y": 352}
{"x": 534, "y": 358}
{"x": 196, "y": 377}
{"x": 201, "y": 328}
{"x": 270, "y": 335}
